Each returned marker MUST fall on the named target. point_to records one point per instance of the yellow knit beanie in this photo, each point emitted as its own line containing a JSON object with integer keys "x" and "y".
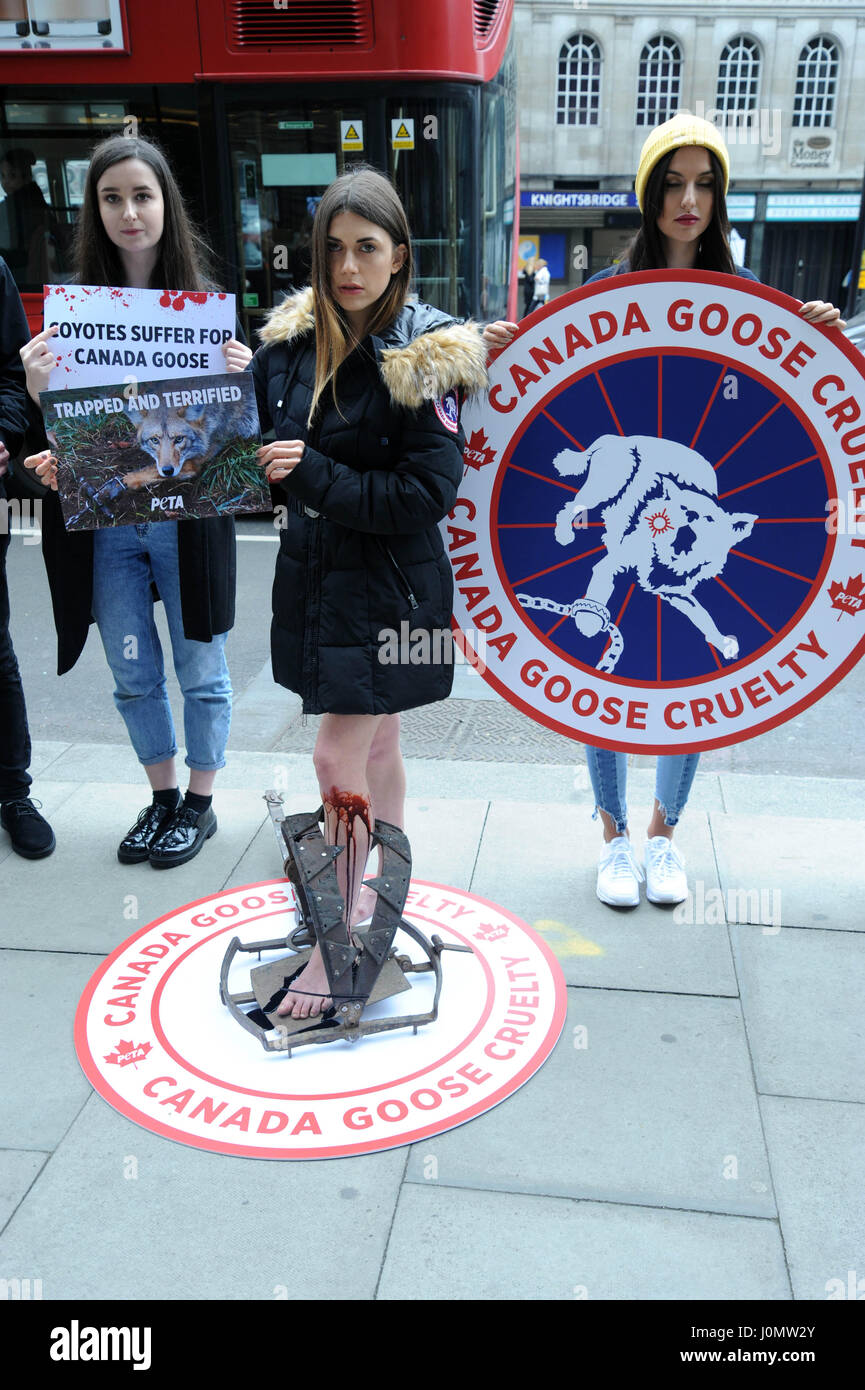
{"x": 683, "y": 129}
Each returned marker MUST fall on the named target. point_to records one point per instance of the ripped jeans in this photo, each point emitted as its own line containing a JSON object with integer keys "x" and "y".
{"x": 609, "y": 776}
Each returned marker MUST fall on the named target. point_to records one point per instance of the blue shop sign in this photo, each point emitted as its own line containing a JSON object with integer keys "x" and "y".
{"x": 559, "y": 198}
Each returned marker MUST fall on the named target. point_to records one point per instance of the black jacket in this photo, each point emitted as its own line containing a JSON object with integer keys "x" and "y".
{"x": 360, "y": 549}
{"x": 623, "y": 268}
{"x": 14, "y": 333}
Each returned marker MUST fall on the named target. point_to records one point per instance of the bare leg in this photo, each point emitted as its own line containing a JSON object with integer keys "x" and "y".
{"x": 610, "y": 831}
{"x": 341, "y": 754}
{"x": 162, "y": 776}
{"x": 385, "y": 772}
{"x": 657, "y": 825}
{"x": 201, "y": 783}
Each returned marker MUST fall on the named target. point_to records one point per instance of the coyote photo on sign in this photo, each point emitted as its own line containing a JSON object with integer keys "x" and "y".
{"x": 182, "y": 439}
{"x": 150, "y": 451}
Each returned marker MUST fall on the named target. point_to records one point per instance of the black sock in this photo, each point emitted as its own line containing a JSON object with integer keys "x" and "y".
{"x": 170, "y": 798}
{"x": 196, "y": 802}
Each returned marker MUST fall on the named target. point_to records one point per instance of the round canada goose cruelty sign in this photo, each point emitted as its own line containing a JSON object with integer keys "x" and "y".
{"x": 659, "y": 541}
{"x": 156, "y": 1042}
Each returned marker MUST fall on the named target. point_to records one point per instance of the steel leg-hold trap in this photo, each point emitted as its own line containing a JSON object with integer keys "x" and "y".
{"x": 362, "y": 967}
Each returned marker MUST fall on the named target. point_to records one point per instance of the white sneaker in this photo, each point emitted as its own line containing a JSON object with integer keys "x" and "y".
{"x": 619, "y": 874}
{"x": 665, "y": 872}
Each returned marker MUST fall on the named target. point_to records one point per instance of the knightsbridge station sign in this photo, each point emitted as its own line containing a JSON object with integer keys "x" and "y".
{"x": 660, "y": 534}
{"x": 577, "y": 199}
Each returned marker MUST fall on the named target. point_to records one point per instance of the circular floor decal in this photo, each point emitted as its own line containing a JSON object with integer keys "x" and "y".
{"x": 156, "y": 1042}
{"x": 659, "y": 541}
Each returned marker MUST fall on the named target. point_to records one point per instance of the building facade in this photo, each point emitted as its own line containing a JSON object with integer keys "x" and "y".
{"x": 783, "y": 81}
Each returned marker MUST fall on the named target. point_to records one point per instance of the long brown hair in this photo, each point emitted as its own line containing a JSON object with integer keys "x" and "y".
{"x": 367, "y": 193}
{"x": 183, "y": 261}
{"x": 646, "y": 251}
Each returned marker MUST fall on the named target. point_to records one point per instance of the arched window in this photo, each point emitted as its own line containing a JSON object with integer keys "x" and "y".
{"x": 816, "y": 83}
{"x": 738, "y": 81}
{"x": 579, "y": 91}
{"x": 659, "y": 81}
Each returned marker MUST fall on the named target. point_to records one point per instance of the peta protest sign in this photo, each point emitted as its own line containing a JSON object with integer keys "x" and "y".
{"x": 647, "y": 531}
{"x": 161, "y": 452}
{"x": 109, "y": 335}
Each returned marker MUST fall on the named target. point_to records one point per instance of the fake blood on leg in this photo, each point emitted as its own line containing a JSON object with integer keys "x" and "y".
{"x": 343, "y": 810}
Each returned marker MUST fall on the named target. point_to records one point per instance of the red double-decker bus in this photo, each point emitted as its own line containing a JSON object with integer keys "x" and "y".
{"x": 259, "y": 104}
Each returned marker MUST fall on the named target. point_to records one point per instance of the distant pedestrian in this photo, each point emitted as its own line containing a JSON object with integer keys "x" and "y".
{"x": 542, "y": 285}
{"x": 528, "y": 285}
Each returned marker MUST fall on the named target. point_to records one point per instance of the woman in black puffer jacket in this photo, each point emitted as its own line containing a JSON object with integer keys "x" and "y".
{"x": 362, "y": 390}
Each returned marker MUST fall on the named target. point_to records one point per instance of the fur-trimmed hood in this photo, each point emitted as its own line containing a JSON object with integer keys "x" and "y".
{"x": 422, "y": 355}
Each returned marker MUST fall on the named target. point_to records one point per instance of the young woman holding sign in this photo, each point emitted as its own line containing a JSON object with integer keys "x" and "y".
{"x": 361, "y": 386}
{"x": 681, "y": 185}
{"x": 134, "y": 231}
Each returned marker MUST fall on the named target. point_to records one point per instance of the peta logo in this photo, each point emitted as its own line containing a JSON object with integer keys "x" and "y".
{"x": 166, "y": 504}
{"x": 77, "y": 1343}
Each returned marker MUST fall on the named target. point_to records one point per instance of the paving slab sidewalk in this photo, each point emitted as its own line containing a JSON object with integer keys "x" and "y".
{"x": 703, "y": 1140}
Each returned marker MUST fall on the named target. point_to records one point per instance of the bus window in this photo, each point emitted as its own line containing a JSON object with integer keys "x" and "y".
{"x": 13, "y": 18}
{"x": 498, "y": 156}
{"x": 283, "y": 158}
{"x": 74, "y": 174}
{"x": 282, "y": 161}
{"x": 31, "y": 238}
{"x": 44, "y": 156}
{"x": 58, "y": 19}
{"x": 439, "y": 189}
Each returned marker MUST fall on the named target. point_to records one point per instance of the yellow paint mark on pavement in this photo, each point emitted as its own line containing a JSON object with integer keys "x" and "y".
{"x": 565, "y": 940}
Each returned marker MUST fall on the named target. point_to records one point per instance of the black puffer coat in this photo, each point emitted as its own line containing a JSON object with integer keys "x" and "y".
{"x": 360, "y": 550}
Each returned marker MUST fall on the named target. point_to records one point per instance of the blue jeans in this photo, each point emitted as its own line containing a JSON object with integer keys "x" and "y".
{"x": 609, "y": 775}
{"x": 126, "y": 561}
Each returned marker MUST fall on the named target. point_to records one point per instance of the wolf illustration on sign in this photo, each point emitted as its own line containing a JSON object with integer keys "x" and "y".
{"x": 662, "y": 521}
{"x": 183, "y": 439}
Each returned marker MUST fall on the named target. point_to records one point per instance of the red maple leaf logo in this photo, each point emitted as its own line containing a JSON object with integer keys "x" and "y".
{"x": 491, "y": 931}
{"x": 477, "y": 453}
{"x": 129, "y": 1052}
{"x": 848, "y": 598}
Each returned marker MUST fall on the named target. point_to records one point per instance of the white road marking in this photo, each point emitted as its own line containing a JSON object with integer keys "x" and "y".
{"x": 34, "y": 531}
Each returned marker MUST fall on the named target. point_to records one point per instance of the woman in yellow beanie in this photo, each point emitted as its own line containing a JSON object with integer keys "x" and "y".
{"x": 681, "y": 185}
